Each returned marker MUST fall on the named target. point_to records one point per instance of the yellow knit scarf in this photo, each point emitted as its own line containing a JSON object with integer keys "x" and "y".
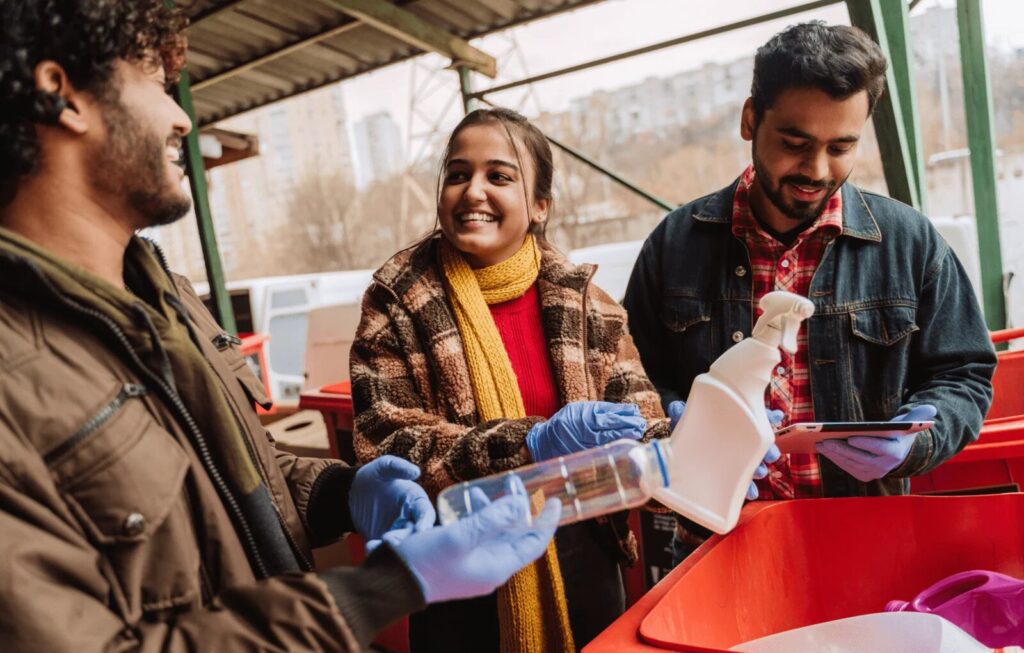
{"x": 532, "y": 611}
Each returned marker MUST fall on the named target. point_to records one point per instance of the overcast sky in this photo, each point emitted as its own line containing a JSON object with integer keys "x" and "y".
{"x": 606, "y": 28}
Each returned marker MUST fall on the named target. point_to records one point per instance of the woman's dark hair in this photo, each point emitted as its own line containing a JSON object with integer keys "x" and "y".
{"x": 837, "y": 59}
{"x": 519, "y": 130}
{"x": 85, "y": 37}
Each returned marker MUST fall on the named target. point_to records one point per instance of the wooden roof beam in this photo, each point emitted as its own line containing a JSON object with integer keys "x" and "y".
{"x": 272, "y": 56}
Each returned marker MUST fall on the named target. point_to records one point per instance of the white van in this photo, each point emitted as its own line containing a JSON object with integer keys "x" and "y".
{"x": 312, "y": 318}
{"x": 280, "y": 307}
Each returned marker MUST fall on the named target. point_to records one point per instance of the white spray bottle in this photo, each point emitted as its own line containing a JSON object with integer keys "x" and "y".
{"x": 724, "y": 432}
{"x": 701, "y": 471}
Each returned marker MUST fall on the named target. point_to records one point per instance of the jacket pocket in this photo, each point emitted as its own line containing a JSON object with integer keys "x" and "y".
{"x": 680, "y": 314}
{"x": 122, "y": 476}
{"x": 689, "y": 335}
{"x": 229, "y": 347}
{"x": 881, "y": 337}
{"x": 101, "y": 416}
{"x": 884, "y": 325}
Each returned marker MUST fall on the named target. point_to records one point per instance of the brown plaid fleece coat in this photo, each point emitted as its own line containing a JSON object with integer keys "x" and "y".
{"x": 411, "y": 387}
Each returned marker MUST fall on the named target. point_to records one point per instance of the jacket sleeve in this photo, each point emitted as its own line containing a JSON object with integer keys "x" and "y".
{"x": 951, "y": 366}
{"x": 643, "y": 305}
{"x": 627, "y": 381}
{"x": 57, "y": 596}
{"x": 320, "y": 490}
{"x": 392, "y": 415}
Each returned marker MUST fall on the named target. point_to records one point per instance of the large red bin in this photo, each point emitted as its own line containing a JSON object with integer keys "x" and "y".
{"x": 791, "y": 564}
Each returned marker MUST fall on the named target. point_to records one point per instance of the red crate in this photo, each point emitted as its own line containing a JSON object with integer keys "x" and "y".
{"x": 791, "y": 564}
{"x": 334, "y": 401}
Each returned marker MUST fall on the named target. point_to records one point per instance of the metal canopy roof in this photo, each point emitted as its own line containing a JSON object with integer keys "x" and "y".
{"x": 243, "y": 54}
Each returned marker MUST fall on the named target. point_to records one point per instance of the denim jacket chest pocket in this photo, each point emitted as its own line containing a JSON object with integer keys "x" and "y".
{"x": 689, "y": 325}
{"x": 878, "y": 353}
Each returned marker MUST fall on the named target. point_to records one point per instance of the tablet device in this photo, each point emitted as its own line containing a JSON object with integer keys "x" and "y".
{"x": 801, "y": 438}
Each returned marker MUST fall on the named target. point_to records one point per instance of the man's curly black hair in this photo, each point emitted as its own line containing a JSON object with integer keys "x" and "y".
{"x": 86, "y": 37}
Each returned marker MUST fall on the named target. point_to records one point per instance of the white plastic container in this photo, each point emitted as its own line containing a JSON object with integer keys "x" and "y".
{"x": 887, "y": 631}
{"x": 701, "y": 471}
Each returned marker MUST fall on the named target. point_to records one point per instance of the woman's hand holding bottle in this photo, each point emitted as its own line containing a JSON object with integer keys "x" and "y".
{"x": 583, "y": 425}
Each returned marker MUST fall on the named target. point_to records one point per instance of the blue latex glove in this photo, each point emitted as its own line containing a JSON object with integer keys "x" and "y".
{"x": 477, "y": 554}
{"x": 385, "y": 496}
{"x": 867, "y": 458}
{"x": 675, "y": 412}
{"x": 583, "y": 425}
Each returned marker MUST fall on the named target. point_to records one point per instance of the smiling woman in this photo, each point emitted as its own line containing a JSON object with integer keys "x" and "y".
{"x": 480, "y": 349}
{"x": 490, "y": 195}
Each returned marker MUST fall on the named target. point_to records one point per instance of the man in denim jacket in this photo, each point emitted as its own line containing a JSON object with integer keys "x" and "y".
{"x": 896, "y": 326}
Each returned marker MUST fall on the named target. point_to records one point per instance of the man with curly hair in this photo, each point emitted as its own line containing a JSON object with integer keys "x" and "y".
{"x": 142, "y": 505}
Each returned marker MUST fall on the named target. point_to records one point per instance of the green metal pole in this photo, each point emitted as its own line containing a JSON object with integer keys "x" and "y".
{"x": 204, "y": 217}
{"x": 579, "y": 156}
{"x": 583, "y": 158}
{"x": 981, "y": 142}
{"x": 466, "y": 87}
{"x": 895, "y": 20}
{"x": 889, "y": 127}
{"x": 688, "y": 38}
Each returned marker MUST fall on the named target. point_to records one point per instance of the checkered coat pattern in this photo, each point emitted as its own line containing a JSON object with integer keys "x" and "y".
{"x": 411, "y": 387}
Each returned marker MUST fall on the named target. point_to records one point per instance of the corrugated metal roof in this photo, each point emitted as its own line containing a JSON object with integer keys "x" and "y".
{"x": 247, "y": 53}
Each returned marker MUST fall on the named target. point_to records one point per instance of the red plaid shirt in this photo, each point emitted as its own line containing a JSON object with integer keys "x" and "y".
{"x": 778, "y": 267}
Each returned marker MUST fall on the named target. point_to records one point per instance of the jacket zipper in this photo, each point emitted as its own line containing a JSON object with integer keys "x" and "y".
{"x": 128, "y": 391}
{"x": 179, "y": 407}
{"x": 227, "y": 339}
{"x": 221, "y": 341}
{"x": 235, "y": 340}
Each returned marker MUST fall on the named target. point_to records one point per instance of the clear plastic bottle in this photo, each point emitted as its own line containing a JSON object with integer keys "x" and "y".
{"x": 702, "y": 470}
{"x": 617, "y": 476}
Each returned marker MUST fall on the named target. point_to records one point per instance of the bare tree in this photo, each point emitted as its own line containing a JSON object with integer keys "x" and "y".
{"x": 319, "y": 234}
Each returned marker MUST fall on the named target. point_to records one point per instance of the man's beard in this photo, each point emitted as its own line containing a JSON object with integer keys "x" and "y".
{"x": 132, "y": 163}
{"x": 797, "y": 210}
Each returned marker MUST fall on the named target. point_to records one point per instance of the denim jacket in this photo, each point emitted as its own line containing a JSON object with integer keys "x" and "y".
{"x": 896, "y": 322}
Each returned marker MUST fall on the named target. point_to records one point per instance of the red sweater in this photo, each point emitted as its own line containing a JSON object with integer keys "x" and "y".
{"x": 521, "y": 329}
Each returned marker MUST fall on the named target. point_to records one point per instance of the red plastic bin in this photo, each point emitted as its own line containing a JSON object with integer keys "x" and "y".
{"x": 792, "y": 564}
{"x": 996, "y": 461}
{"x": 1008, "y": 380}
